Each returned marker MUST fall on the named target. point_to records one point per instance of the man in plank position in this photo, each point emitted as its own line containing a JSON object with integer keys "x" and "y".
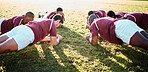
{"x": 117, "y": 31}
{"x": 119, "y": 15}
{"x": 23, "y": 35}
{"x": 98, "y": 13}
{"x": 141, "y": 19}
{"x": 52, "y": 14}
{"x": 7, "y": 25}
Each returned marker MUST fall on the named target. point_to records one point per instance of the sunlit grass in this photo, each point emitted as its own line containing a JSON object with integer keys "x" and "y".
{"x": 74, "y": 52}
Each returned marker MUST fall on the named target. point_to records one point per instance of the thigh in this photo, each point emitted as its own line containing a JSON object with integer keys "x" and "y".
{"x": 137, "y": 39}
{"x": 24, "y": 37}
{"x": 21, "y": 40}
{"x": 144, "y": 33}
{"x": 3, "y": 38}
{"x": 125, "y": 29}
{"x": 8, "y": 46}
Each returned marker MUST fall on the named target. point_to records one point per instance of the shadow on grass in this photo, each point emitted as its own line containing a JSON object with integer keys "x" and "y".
{"x": 35, "y": 58}
{"x": 138, "y": 56}
{"x": 80, "y": 44}
{"x": 114, "y": 62}
{"x": 61, "y": 60}
{"x": 42, "y": 57}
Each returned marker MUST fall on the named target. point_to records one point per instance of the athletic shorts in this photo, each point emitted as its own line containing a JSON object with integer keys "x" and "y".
{"x": 1, "y": 20}
{"x": 125, "y": 29}
{"x": 22, "y": 34}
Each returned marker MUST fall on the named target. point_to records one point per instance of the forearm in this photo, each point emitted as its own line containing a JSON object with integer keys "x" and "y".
{"x": 92, "y": 40}
{"x": 59, "y": 26}
{"x": 46, "y": 39}
{"x": 55, "y": 40}
{"x": 87, "y": 26}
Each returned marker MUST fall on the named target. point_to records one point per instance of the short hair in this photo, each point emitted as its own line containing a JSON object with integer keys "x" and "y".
{"x": 92, "y": 17}
{"x": 111, "y": 13}
{"x": 29, "y": 14}
{"x": 58, "y": 17}
{"x": 59, "y": 9}
{"x": 90, "y": 12}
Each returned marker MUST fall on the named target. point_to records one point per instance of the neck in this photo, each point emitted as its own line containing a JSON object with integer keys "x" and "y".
{"x": 24, "y": 21}
{"x": 56, "y": 12}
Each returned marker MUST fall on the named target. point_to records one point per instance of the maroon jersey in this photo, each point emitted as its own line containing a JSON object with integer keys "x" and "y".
{"x": 51, "y": 15}
{"x": 9, "y": 24}
{"x": 42, "y": 28}
{"x": 120, "y": 14}
{"x": 141, "y": 19}
{"x": 100, "y": 13}
{"x": 106, "y": 28}
{"x": 103, "y": 12}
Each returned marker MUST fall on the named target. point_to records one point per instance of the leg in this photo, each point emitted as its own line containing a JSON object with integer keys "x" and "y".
{"x": 8, "y": 46}
{"x": 139, "y": 40}
{"x": 144, "y": 33}
{"x": 3, "y": 38}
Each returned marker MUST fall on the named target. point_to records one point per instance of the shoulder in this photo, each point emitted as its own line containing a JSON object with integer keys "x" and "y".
{"x": 134, "y": 13}
{"x": 103, "y": 11}
{"x": 19, "y": 17}
{"x": 53, "y": 12}
{"x": 42, "y": 20}
{"x": 105, "y": 18}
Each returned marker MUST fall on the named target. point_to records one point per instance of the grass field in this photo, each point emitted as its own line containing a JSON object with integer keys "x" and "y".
{"x": 74, "y": 53}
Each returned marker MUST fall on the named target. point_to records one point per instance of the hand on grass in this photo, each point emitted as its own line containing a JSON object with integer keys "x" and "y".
{"x": 87, "y": 37}
{"x": 59, "y": 36}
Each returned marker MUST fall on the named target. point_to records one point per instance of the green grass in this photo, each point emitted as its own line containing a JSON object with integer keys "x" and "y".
{"x": 74, "y": 53}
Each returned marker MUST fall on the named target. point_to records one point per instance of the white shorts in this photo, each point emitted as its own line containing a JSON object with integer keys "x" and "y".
{"x": 22, "y": 34}
{"x": 1, "y": 20}
{"x": 125, "y": 29}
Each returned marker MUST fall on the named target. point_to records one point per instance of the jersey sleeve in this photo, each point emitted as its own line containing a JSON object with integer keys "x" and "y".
{"x": 131, "y": 17}
{"x": 53, "y": 31}
{"x": 93, "y": 30}
{"x": 46, "y": 16}
{"x": 49, "y": 15}
{"x": 17, "y": 21}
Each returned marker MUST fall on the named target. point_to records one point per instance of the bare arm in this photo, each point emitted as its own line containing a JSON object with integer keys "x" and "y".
{"x": 55, "y": 40}
{"x": 87, "y": 26}
{"x": 46, "y": 39}
{"x": 58, "y": 25}
{"x": 93, "y": 40}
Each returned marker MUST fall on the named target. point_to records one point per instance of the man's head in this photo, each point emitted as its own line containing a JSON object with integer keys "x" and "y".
{"x": 58, "y": 19}
{"x": 111, "y": 14}
{"x": 59, "y": 11}
{"x": 90, "y": 12}
{"x": 91, "y": 18}
{"x": 29, "y": 16}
